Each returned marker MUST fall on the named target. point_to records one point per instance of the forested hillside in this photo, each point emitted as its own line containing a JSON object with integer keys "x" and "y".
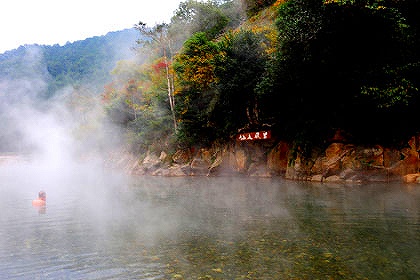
{"x": 37, "y": 79}
{"x": 85, "y": 63}
{"x": 304, "y": 69}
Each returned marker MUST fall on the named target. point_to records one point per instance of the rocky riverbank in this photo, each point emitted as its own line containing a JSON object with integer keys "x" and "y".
{"x": 340, "y": 162}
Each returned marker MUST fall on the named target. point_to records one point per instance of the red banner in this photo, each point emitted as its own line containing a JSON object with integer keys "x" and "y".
{"x": 250, "y": 136}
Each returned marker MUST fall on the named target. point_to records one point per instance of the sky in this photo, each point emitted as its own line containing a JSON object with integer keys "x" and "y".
{"x": 49, "y": 22}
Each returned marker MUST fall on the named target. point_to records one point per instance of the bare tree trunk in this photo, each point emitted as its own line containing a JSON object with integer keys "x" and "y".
{"x": 170, "y": 89}
{"x": 159, "y": 35}
{"x": 172, "y": 77}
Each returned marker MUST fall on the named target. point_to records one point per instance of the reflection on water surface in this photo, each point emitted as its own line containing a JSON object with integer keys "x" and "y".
{"x": 111, "y": 227}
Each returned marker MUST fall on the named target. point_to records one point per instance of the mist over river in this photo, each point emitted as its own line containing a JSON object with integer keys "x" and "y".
{"x": 100, "y": 224}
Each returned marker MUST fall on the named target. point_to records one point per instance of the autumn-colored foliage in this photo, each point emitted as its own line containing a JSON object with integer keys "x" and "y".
{"x": 302, "y": 67}
{"x": 160, "y": 66}
{"x": 196, "y": 64}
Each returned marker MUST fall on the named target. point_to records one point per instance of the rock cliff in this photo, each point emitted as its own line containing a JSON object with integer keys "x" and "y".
{"x": 339, "y": 162}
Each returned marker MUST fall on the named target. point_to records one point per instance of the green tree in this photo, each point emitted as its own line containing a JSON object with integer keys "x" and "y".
{"x": 158, "y": 38}
{"x": 340, "y": 64}
{"x": 137, "y": 102}
{"x": 218, "y": 82}
{"x": 237, "y": 106}
{"x": 196, "y": 16}
{"x": 196, "y": 70}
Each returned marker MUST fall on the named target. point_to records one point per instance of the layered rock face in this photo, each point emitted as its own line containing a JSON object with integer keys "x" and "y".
{"x": 350, "y": 163}
{"x": 345, "y": 162}
{"x": 339, "y": 162}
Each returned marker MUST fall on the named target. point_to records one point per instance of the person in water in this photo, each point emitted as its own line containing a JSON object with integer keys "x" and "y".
{"x": 41, "y": 200}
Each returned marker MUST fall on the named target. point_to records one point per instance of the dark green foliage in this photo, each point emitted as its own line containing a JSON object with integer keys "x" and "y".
{"x": 220, "y": 109}
{"x": 348, "y": 66}
{"x": 237, "y": 104}
{"x": 195, "y": 69}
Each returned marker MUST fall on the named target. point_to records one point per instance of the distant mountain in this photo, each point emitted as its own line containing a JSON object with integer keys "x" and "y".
{"x": 84, "y": 63}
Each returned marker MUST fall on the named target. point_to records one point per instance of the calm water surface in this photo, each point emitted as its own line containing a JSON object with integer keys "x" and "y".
{"x": 107, "y": 226}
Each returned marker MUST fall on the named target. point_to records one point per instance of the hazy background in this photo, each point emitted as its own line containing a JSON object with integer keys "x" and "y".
{"x": 51, "y": 22}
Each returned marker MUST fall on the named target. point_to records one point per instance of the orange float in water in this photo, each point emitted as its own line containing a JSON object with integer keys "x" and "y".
{"x": 41, "y": 200}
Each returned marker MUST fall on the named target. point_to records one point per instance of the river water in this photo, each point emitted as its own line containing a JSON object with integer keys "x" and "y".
{"x": 104, "y": 225}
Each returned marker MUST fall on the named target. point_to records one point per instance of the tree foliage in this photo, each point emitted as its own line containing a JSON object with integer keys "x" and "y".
{"x": 351, "y": 65}
{"x": 238, "y": 104}
{"x": 218, "y": 96}
{"x": 196, "y": 71}
{"x": 86, "y": 63}
{"x": 346, "y": 64}
{"x": 254, "y": 6}
{"x": 160, "y": 43}
{"x": 200, "y": 16}
{"x": 158, "y": 38}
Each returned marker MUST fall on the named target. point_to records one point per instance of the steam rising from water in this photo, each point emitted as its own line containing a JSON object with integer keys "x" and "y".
{"x": 51, "y": 129}
{"x": 49, "y": 144}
